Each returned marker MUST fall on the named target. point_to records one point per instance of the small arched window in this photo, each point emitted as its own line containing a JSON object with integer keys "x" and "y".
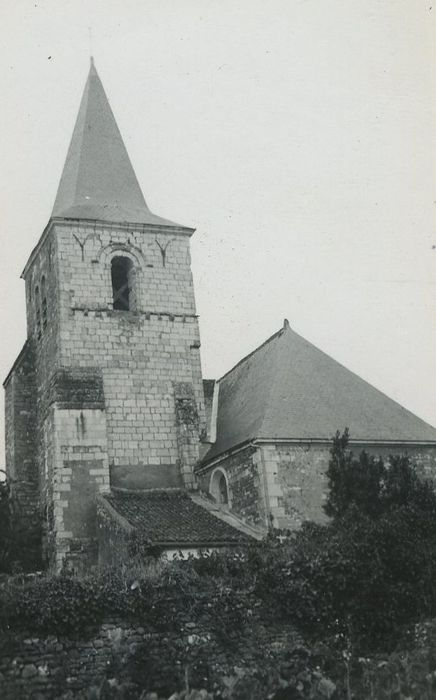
{"x": 218, "y": 487}
{"x": 122, "y": 272}
{"x": 37, "y": 313}
{"x": 43, "y": 303}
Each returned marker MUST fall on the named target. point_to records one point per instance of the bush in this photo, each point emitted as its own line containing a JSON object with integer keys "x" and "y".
{"x": 372, "y": 486}
{"x": 20, "y": 533}
{"x": 6, "y": 531}
{"x": 370, "y": 571}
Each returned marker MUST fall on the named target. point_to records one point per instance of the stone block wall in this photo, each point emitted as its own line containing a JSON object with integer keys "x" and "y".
{"x": 108, "y": 372}
{"x": 297, "y": 482}
{"x": 42, "y": 309}
{"x": 142, "y": 352}
{"x": 246, "y": 485}
{"x": 77, "y": 471}
{"x": 20, "y": 415}
{"x": 285, "y": 484}
{"x": 48, "y": 667}
{"x": 112, "y": 656}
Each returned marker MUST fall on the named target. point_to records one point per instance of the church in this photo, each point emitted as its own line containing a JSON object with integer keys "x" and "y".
{"x": 113, "y": 437}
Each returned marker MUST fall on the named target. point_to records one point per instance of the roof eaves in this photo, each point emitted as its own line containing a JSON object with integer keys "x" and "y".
{"x": 17, "y": 361}
{"x": 328, "y": 441}
{"x": 36, "y": 249}
{"x": 219, "y": 456}
{"x": 175, "y": 229}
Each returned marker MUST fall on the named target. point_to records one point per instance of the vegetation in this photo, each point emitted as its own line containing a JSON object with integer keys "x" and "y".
{"x": 6, "y": 531}
{"x": 343, "y": 610}
{"x": 19, "y": 535}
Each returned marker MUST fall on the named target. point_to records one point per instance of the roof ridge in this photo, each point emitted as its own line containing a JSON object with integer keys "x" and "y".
{"x": 85, "y": 100}
{"x": 294, "y": 389}
{"x": 250, "y": 354}
{"x": 358, "y": 377}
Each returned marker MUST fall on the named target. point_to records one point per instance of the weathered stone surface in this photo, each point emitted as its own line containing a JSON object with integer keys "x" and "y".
{"x": 98, "y": 384}
{"x": 286, "y": 484}
{"x": 29, "y": 671}
{"x": 245, "y": 485}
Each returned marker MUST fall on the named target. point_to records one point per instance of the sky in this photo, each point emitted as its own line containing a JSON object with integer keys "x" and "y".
{"x": 297, "y": 137}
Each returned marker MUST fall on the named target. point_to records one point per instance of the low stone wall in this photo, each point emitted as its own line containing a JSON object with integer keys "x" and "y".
{"x": 122, "y": 660}
{"x": 49, "y": 667}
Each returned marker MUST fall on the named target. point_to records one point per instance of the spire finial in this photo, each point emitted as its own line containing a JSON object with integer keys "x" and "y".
{"x": 91, "y": 57}
{"x": 285, "y": 324}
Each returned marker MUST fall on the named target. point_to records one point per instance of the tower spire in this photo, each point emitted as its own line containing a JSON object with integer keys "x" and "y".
{"x": 98, "y": 180}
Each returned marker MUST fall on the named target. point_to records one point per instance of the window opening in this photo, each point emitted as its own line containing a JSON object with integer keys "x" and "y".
{"x": 37, "y": 313}
{"x": 43, "y": 303}
{"x": 218, "y": 488}
{"x": 122, "y": 282}
{"x": 222, "y": 488}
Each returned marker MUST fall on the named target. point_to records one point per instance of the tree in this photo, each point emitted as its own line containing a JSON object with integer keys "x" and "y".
{"x": 6, "y": 530}
{"x": 371, "y": 571}
{"x": 372, "y": 486}
{"x": 20, "y": 533}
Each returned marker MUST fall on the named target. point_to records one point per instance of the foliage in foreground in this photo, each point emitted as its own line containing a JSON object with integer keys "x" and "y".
{"x": 352, "y": 589}
{"x": 19, "y": 534}
{"x": 372, "y": 486}
{"x": 371, "y": 571}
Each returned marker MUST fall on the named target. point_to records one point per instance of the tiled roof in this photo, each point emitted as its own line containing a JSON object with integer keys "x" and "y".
{"x": 172, "y": 519}
{"x": 98, "y": 180}
{"x": 288, "y": 389}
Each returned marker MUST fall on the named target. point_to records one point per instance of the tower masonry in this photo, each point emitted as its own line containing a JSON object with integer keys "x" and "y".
{"x": 113, "y": 439}
{"x": 110, "y": 373}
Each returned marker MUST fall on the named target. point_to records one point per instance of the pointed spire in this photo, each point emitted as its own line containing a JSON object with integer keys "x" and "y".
{"x": 98, "y": 180}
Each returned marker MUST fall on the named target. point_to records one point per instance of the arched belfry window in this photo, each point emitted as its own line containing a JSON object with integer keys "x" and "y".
{"x": 122, "y": 273}
{"x": 218, "y": 487}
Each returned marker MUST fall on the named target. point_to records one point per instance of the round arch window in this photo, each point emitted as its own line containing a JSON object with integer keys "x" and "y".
{"x": 122, "y": 274}
{"x": 219, "y": 487}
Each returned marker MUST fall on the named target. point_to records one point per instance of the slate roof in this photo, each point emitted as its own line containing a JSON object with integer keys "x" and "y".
{"x": 172, "y": 519}
{"x": 98, "y": 181}
{"x": 288, "y": 389}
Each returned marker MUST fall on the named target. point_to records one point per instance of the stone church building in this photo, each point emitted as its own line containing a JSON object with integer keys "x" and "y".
{"x": 112, "y": 435}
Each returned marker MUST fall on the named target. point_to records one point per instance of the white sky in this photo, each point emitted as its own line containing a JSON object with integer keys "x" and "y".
{"x": 297, "y": 136}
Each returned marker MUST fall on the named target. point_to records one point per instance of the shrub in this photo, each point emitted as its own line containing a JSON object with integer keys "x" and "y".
{"x": 371, "y": 570}
{"x": 6, "y": 530}
{"x": 372, "y": 486}
{"x": 20, "y": 533}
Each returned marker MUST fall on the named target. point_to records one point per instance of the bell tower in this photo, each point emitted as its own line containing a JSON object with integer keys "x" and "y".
{"x": 113, "y": 342}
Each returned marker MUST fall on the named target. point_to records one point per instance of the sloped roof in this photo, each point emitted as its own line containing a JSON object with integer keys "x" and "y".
{"x": 172, "y": 519}
{"x": 288, "y": 389}
{"x": 98, "y": 181}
